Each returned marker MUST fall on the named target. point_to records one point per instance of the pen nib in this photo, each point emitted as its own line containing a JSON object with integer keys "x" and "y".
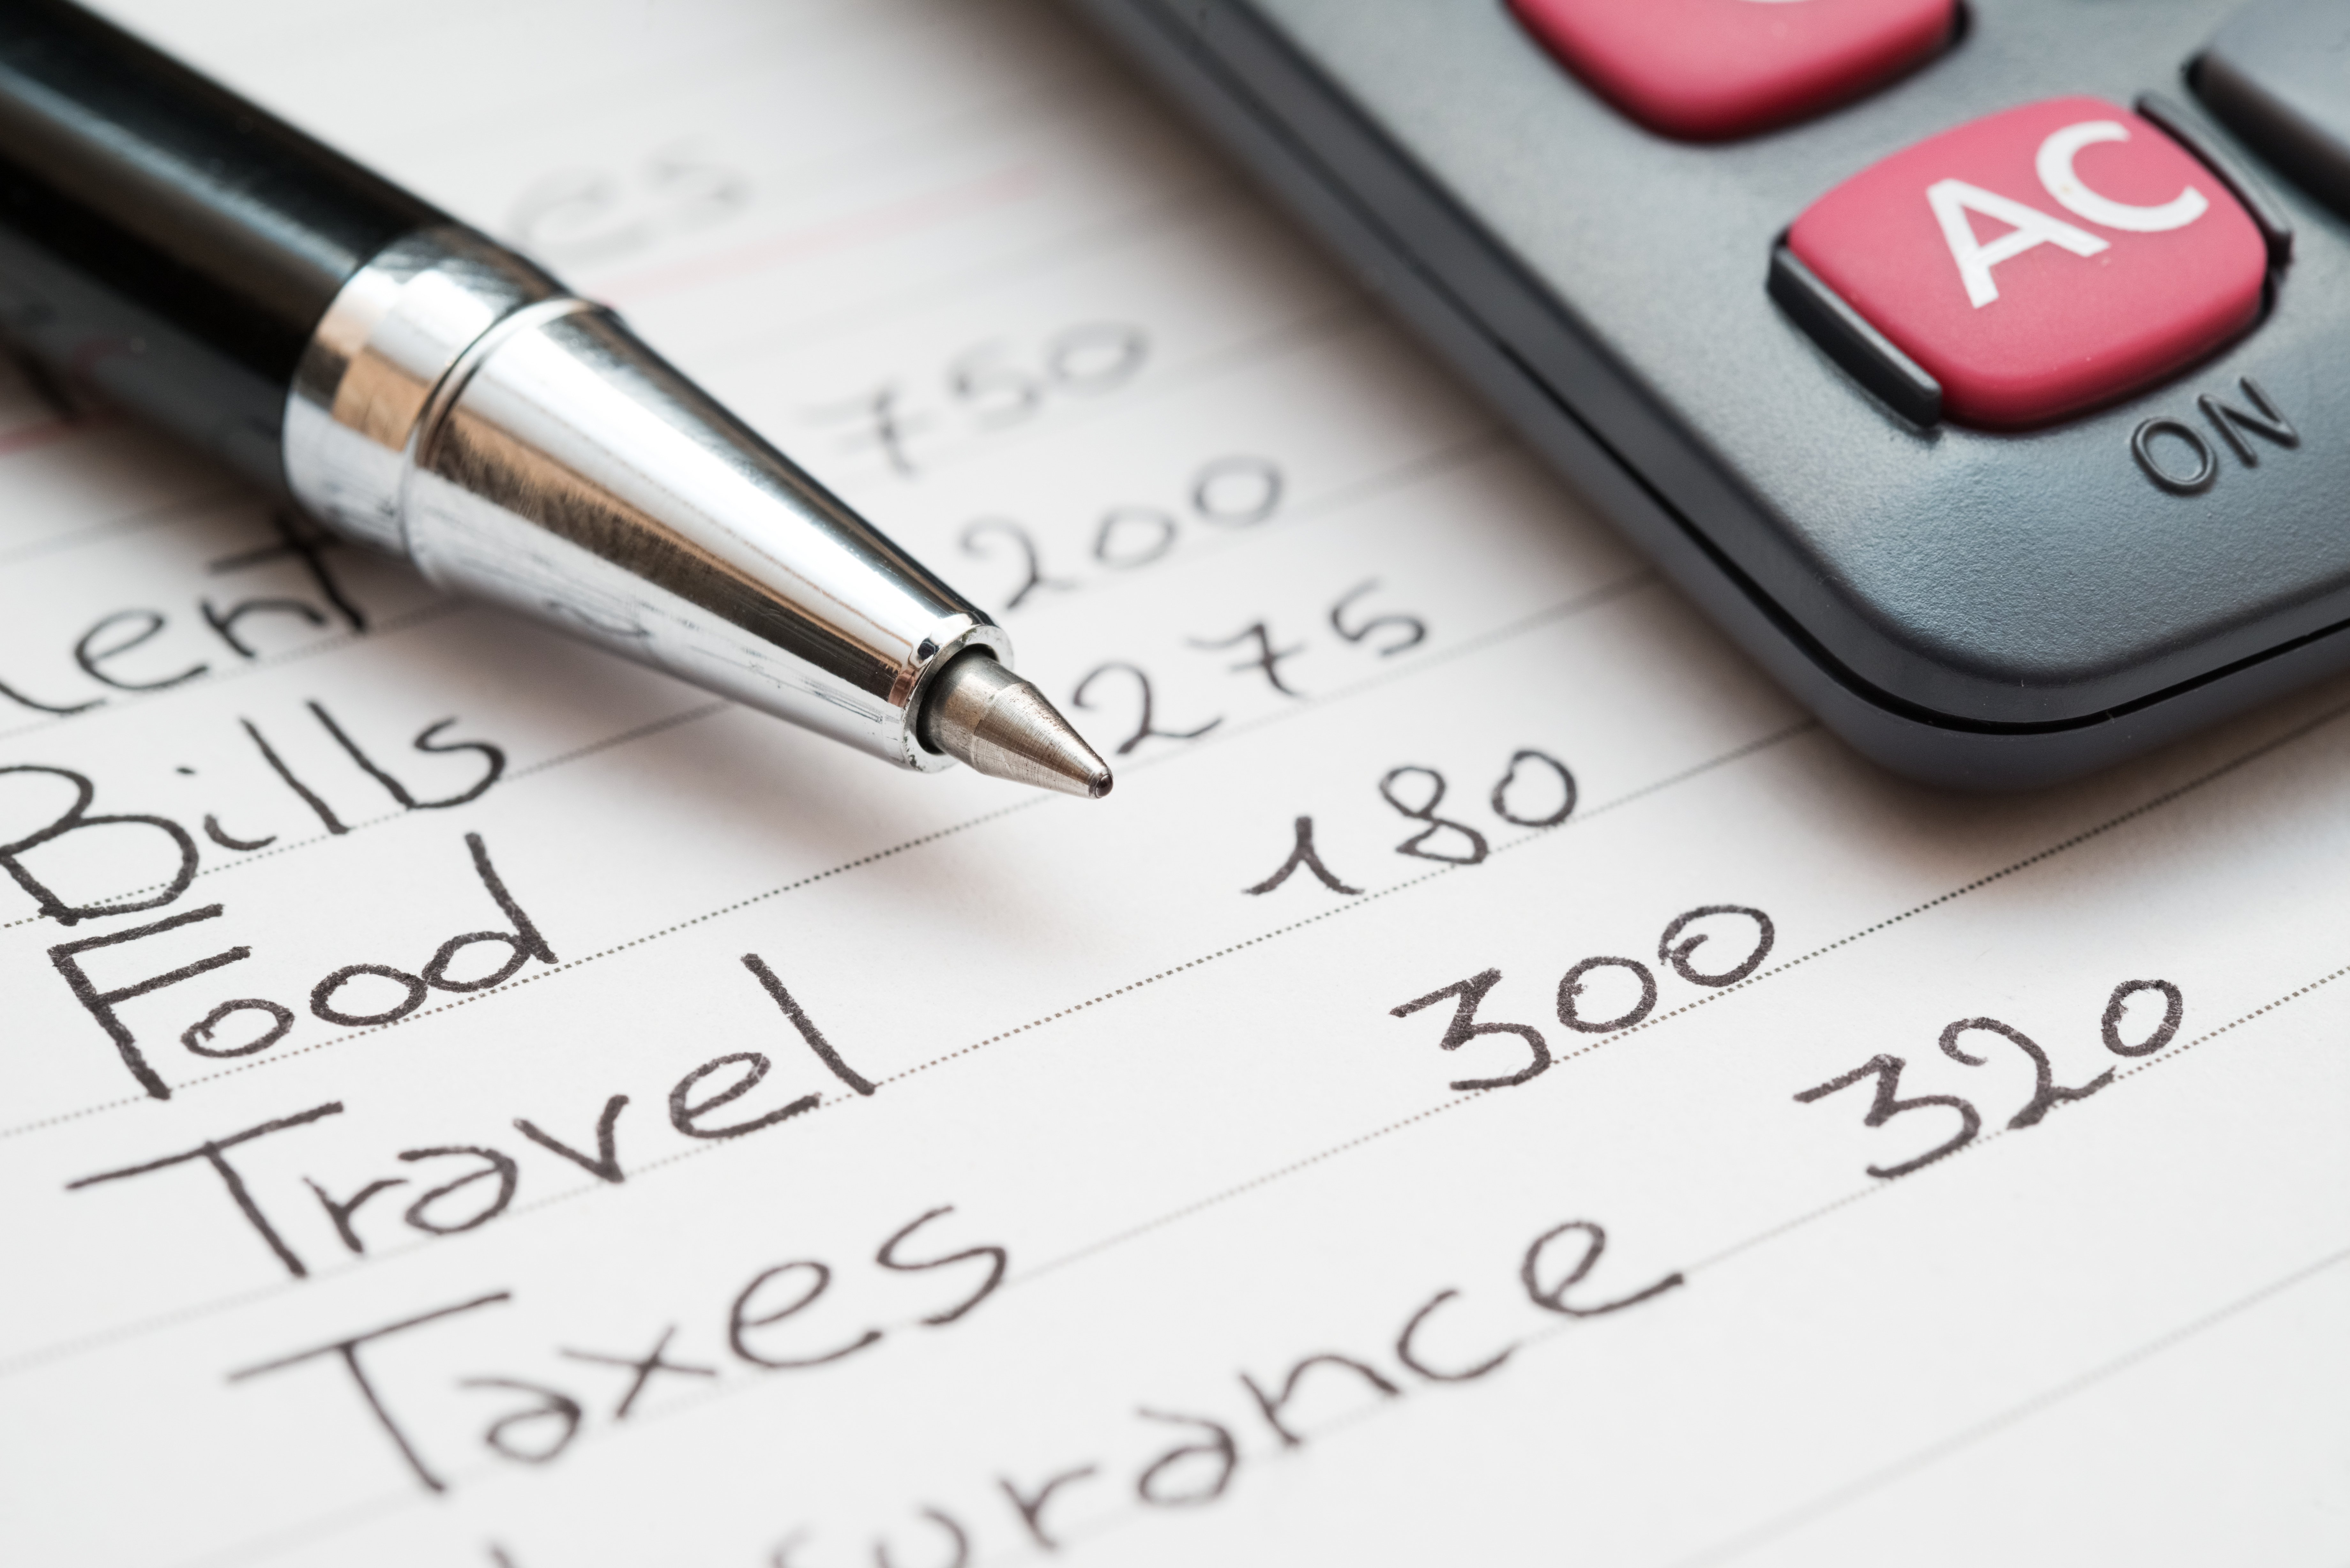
{"x": 982, "y": 715}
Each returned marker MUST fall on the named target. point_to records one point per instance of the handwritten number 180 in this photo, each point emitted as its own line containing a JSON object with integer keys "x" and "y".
{"x": 1471, "y": 847}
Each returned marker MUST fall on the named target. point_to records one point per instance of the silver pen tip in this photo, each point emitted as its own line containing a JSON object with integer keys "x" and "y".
{"x": 990, "y": 720}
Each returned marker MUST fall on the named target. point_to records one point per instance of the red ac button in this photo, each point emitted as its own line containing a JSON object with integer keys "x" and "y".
{"x": 2040, "y": 261}
{"x": 1708, "y": 70}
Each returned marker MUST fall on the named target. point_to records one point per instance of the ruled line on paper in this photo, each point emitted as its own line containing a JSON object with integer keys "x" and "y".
{"x": 1172, "y": 1080}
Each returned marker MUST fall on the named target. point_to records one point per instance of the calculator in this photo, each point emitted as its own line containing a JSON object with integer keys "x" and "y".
{"x": 1982, "y": 368}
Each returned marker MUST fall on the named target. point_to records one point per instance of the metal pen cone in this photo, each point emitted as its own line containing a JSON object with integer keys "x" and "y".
{"x": 519, "y": 444}
{"x": 987, "y": 718}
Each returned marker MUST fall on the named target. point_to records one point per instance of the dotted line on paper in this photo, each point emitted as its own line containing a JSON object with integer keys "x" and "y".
{"x": 406, "y": 621}
{"x": 533, "y": 979}
{"x": 642, "y": 732}
{"x": 1603, "y": 594}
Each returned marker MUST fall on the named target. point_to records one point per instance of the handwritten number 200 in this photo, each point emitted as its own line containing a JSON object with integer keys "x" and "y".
{"x": 1229, "y": 493}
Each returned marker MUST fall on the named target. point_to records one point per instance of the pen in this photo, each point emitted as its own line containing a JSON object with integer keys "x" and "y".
{"x": 419, "y": 388}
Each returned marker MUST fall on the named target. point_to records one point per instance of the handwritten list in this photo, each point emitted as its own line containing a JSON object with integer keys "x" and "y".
{"x": 1495, "y": 1082}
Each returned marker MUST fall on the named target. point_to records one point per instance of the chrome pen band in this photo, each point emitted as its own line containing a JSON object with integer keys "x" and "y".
{"x": 459, "y": 407}
{"x": 387, "y": 343}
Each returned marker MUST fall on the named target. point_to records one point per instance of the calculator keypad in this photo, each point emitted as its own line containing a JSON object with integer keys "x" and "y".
{"x": 1710, "y": 69}
{"x": 2040, "y": 261}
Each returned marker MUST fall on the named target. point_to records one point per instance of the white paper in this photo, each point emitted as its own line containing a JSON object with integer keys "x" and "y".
{"x": 957, "y": 260}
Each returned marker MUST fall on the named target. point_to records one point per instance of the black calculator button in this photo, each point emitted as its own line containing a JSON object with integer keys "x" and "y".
{"x": 2258, "y": 206}
{"x": 2277, "y": 74}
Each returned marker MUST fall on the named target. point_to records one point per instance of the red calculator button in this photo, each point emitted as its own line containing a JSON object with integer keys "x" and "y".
{"x": 2040, "y": 261}
{"x": 1706, "y": 70}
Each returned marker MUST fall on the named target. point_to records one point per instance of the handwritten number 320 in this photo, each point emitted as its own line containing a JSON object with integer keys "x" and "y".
{"x": 1883, "y": 1073}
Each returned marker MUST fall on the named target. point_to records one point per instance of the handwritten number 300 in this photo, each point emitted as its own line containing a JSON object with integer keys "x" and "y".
{"x": 1677, "y": 949}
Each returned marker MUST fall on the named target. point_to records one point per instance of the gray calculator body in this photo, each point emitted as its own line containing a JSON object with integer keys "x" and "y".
{"x": 1981, "y": 609}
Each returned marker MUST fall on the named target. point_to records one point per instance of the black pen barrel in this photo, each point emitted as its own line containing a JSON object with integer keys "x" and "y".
{"x": 165, "y": 241}
{"x": 419, "y": 389}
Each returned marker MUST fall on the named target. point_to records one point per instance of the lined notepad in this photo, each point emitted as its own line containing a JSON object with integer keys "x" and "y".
{"x": 1495, "y": 1082}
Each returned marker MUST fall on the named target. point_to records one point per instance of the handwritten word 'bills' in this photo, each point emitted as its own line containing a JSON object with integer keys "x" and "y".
{"x": 1495, "y": 1084}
